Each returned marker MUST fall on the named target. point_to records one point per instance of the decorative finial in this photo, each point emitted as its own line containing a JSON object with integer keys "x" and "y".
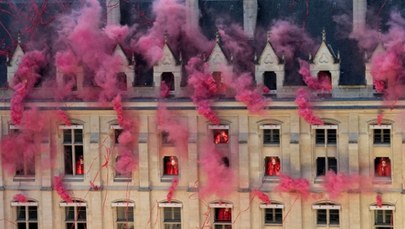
{"x": 338, "y": 55}
{"x": 268, "y": 36}
{"x": 231, "y": 58}
{"x": 217, "y": 37}
{"x": 165, "y": 36}
{"x": 19, "y": 38}
{"x": 309, "y": 56}
{"x": 323, "y": 35}
{"x": 180, "y": 57}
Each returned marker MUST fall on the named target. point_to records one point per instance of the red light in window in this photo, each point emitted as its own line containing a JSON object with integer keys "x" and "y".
{"x": 273, "y": 166}
{"x": 80, "y": 166}
{"x": 221, "y": 137}
{"x": 171, "y": 166}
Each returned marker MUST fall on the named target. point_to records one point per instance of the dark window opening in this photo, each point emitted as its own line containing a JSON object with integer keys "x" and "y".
{"x": 221, "y": 136}
{"x": 273, "y": 216}
{"x": 75, "y": 217}
{"x": 143, "y": 72}
{"x": 166, "y": 140}
{"x": 168, "y": 80}
{"x": 325, "y": 136}
{"x": 223, "y": 215}
{"x": 122, "y": 81}
{"x": 225, "y": 162}
{"x": 325, "y": 79}
{"x": 271, "y": 136}
{"x": 382, "y": 167}
{"x": 270, "y": 80}
{"x": 327, "y": 217}
{"x": 70, "y": 81}
{"x": 272, "y": 166}
{"x": 27, "y": 217}
{"x": 382, "y": 136}
{"x": 323, "y": 165}
{"x": 170, "y": 166}
{"x": 117, "y": 133}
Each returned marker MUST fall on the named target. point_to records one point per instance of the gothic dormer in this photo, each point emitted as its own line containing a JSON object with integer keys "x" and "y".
{"x": 369, "y": 78}
{"x": 167, "y": 70}
{"x": 126, "y": 77}
{"x": 14, "y": 61}
{"x": 325, "y": 63}
{"x": 270, "y": 69}
{"x": 217, "y": 59}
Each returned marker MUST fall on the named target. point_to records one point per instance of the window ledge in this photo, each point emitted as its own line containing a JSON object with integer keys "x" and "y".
{"x": 75, "y": 178}
{"x": 381, "y": 144}
{"x": 273, "y": 224}
{"x": 271, "y": 179}
{"x": 382, "y": 180}
{"x": 168, "y": 178}
{"x": 319, "y": 179}
{"x": 271, "y": 144}
{"x": 122, "y": 179}
{"x": 24, "y": 178}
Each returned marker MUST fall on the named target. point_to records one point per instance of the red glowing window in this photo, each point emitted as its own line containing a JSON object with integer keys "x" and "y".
{"x": 170, "y": 166}
{"x": 382, "y": 167}
{"x": 221, "y": 136}
{"x": 73, "y": 150}
{"x": 223, "y": 218}
{"x": 272, "y": 166}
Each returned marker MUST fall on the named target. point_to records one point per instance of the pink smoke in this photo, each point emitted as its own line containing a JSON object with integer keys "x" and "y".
{"x": 172, "y": 189}
{"x": 63, "y": 117}
{"x": 219, "y": 179}
{"x": 322, "y": 83}
{"x": 204, "y": 88}
{"x": 298, "y": 185}
{"x": 24, "y": 81}
{"x": 178, "y": 133}
{"x": 288, "y": 39}
{"x": 60, "y": 189}
{"x": 262, "y": 196}
{"x": 380, "y": 118}
{"x": 304, "y": 108}
{"x": 335, "y": 184}
{"x": 21, "y": 198}
{"x": 378, "y": 199}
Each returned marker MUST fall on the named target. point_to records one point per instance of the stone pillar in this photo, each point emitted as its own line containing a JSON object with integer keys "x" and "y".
{"x": 113, "y": 12}
{"x": 46, "y": 209}
{"x": 249, "y": 17}
{"x": 143, "y": 154}
{"x": 355, "y": 212}
{"x": 359, "y": 15}
{"x": 353, "y": 144}
{"x": 243, "y": 153}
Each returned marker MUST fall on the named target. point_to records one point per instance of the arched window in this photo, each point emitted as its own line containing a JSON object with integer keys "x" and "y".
{"x": 168, "y": 80}
{"x": 270, "y": 80}
{"x": 171, "y": 213}
{"x": 383, "y": 216}
{"x": 26, "y": 214}
{"x": 273, "y": 213}
{"x": 327, "y": 214}
{"x": 124, "y": 214}
{"x": 75, "y": 214}
{"x": 222, "y": 213}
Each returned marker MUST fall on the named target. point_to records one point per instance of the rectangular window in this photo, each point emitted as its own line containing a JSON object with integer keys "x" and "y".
{"x": 73, "y": 150}
{"x": 273, "y": 216}
{"x": 75, "y": 217}
{"x": 325, "y": 136}
{"x": 382, "y": 136}
{"x": 323, "y": 165}
{"x": 223, "y": 218}
{"x": 125, "y": 217}
{"x": 221, "y": 136}
{"x": 271, "y": 136}
{"x": 172, "y": 218}
{"x": 25, "y": 169}
{"x": 382, "y": 167}
{"x": 327, "y": 214}
{"x": 27, "y": 217}
{"x": 383, "y": 219}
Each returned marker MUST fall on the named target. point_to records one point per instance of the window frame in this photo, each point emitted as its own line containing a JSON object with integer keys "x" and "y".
{"x": 72, "y": 144}
{"x": 384, "y": 209}
{"x": 327, "y": 207}
{"x": 27, "y": 221}
{"x": 77, "y": 205}
{"x": 124, "y": 205}
{"x": 381, "y": 135}
{"x": 274, "y": 206}
{"x": 272, "y": 127}
{"x": 327, "y": 134}
{"x": 171, "y": 222}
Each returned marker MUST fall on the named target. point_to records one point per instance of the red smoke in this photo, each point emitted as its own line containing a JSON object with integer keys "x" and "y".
{"x": 305, "y": 109}
{"x": 60, "y": 189}
{"x": 297, "y": 185}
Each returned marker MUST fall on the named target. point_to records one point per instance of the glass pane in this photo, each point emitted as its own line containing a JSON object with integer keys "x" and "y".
{"x": 320, "y": 166}
{"x": 21, "y": 226}
{"x": 33, "y": 225}
{"x": 78, "y": 135}
{"x": 172, "y": 226}
{"x": 70, "y": 213}
{"x": 320, "y": 136}
{"x": 332, "y": 164}
{"x": 334, "y": 217}
{"x": 81, "y": 213}
{"x": 67, "y": 136}
{"x": 321, "y": 216}
{"x": 279, "y": 215}
{"x": 79, "y": 160}
{"x": 68, "y": 154}
{"x": 125, "y": 226}
{"x": 70, "y": 226}
{"x": 32, "y": 213}
{"x": 21, "y": 213}
{"x": 81, "y": 226}
{"x": 125, "y": 214}
{"x": 331, "y": 136}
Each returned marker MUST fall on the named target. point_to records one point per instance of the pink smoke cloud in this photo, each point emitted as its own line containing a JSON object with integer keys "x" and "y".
{"x": 262, "y": 196}
{"x": 296, "y": 185}
{"x": 321, "y": 83}
{"x": 21, "y": 198}
{"x": 304, "y": 108}
{"x": 60, "y": 189}
{"x": 335, "y": 184}
{"x": 172, "y": 189}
